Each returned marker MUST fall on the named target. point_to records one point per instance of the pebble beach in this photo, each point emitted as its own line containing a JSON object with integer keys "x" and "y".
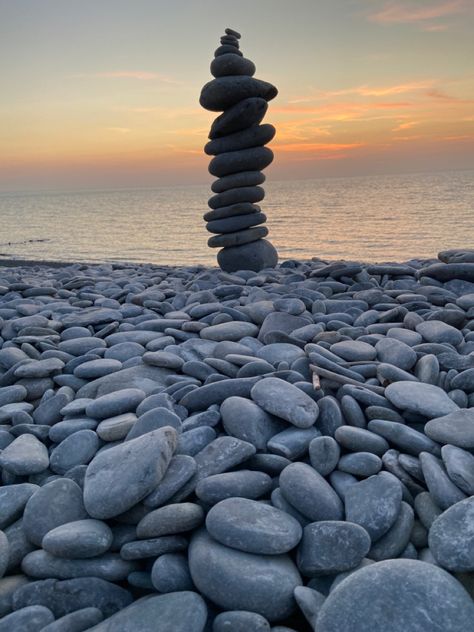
{"x": 188, "y": 450}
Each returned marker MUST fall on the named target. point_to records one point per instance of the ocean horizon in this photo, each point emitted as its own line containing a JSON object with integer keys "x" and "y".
{"x": 369, "y": 218}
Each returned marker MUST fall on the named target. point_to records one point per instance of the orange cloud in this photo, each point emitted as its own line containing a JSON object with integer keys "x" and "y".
{"x": 398, "y": 12}
{"x": 403, "y": 126}
{"x": 317, "y": 147}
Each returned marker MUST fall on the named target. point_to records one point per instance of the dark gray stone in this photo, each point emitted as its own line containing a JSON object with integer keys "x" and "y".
{"x": 78, "y": 539}
{"x": 251, "y": 159}
{"x": 396, "y": 352}
{"x": 29, "y": 619}
{"x": 110, "y": 566}
{"x": 64, "y": 597}
{"x": 464, "y": 381}
{"x": 250, "y": 194}
{"x": 77, "y": 621}
{"x": 438, "y": 331}
{"x": 153, "y": 547}
{"x": 224, "y": 92}
{"x": 54, "y": 504}
{"x": 237, "y": 222}
{"x": 171, "y": 519}
{"x": 442, "y": 489}
{"x": 215, "y": 393}
{"x": 77, "y": 449}
{"x": 238, "y": 238}
{"x": 354, "y": 350}
{"x": 174, "y": 612}
{"x": 459, "y": 465}
{"x": 241, "y": 116}
{"x": 120, "y": 477}
{"x": 425, "y": 399}
{"x": 397, "y": 595}
{"x": 24, "y": 456}
{"x": 310, "y": 493}
{"x": 240, "y": 621}
{"x": 456, "y": 428}
{"x": 243, "y": 581}
{"x": 324, "y": 454}
{"x": 232, "y": 64}
{"x": 285, "y": 401}
{"x": 360, "y": 464}
{"x": 180, "y": 470}
{"x": 451, "y": 538}
{"x": 116, "y": 403}
{"x": 403, "y": 437}
{"x": 253, "y": 527}
{"x": 244, "y": 419}
{"x": 374, "y": 503}
{"x": 253, "y": 136}
{"x": 331, "y": 546}
{"x": 256, "y": 256}
{"x": 170, "y": 573}
{"x": 242, "y": 179}
{"x": 13, "y": 499}
{"x": 242, "y": 484}
{"x": 394, "y": 542}
{"x": 361, "y": 440}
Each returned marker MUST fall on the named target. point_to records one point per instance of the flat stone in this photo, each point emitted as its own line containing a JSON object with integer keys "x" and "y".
{"x": 438, "y": 331}
{"x": 426, "y": 399}
{"x": 374, "y": 503}
{"x": 39, "y": 368}
{"x": 251, "y": 159}
{"x": 142, "y": 377}
{"x": 244, "y": 419}
{"x": 237, "y": 222}
{"x": 120, "y": 477}
{"x": 241, "y": 116}
{"x": 76, "y": 621}
{"x": 464, "y": 381}
{"x": 242, "y": 179}
{"x": 216, "y": 392}
{"x": 253, "y": 527}
{"x": 54, "y": 504}
{"x": 243, "y": 581}
{"x": 257, "y": 255}
{"x": 224, "y": 212}
{"x": 286, "y": 401}
{"x": 174, "y": 612}
{"x": 153, "y": 547}
{"x": 242, "y": 484}
{"x": 354, "y": 350}
{"x": 232, "y": 331}
{"x": 180, "y": 470}
{"x": 13, "y": 499}
{"x": 361, "y": 464}
{"x": 456, "y": 428}
{"x": 332, "y": 546}
{"x": 241, "y": 621}
{"x": 77, "y": 449}
{"x": 451, "y": 537}
{"x": 253, "y": 136}
{"x": 395, "y": 541}
{"x": 42, "y": 565}
{"x": 238, "y": 238}
{"x": 24, "y": 456}
{"x": 361, "y": 440}
{"x": 78, "y": 539}
{"x": 170, "y": 519}
{"x": 459, "y": 465}
{"x": 116, "y": 428}
{"x": 403, "y": 437}
{"x": 29, "y": 619}
{"x": 91, "y": 316}
{"x": 396, "y": 352}
{"x": 232, "y": 64}
{"x": 309, "y": 493}
{"x": 442, "y": 489}
{"x": 64, "y": 597}
{"x": 170, "y": 573}
{"x": 281, "y": 321}
{"x": 396, "y": 595}
{"x": 324, "y": 453}
{"x": 224, "y": 92}
{"x": 97, "y": 368}
{"x": 116, "y": 403}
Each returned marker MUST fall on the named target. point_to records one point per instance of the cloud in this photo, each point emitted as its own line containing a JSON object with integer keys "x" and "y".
{"x": 409, "y": 13}
{"x": 367, "y": 91}
{"x": 403, "y": 126}
{"x": 141, "y": 75}
{"x": 317, "y": 147}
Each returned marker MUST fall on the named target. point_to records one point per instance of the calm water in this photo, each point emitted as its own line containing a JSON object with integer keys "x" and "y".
{"x": 378, "y": 218}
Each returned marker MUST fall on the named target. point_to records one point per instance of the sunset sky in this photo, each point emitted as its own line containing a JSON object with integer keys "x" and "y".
{"x": 104, "y": 93}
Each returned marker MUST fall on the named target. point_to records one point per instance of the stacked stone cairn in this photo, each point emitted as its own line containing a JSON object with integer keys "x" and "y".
{"x": 237, "y": 141}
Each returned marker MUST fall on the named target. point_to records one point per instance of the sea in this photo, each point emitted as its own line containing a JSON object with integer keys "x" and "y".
{"x": 372, "y": 218}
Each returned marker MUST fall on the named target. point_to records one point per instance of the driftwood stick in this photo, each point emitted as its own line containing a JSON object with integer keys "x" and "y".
{"x": 342, "y": 379}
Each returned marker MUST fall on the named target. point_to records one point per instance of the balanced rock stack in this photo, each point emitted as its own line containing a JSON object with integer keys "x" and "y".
{"x": 237, "y": 142}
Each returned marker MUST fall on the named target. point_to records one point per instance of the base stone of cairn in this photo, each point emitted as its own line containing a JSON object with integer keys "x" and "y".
{"x": 237, "y": 142}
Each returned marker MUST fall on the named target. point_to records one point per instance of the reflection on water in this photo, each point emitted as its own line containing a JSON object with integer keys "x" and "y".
{"x": 376, "y": 218}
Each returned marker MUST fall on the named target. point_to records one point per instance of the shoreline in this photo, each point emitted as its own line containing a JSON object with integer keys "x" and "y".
{"x": 170, "y": 409}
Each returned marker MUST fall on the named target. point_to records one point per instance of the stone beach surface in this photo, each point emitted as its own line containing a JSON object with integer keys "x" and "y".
{"x": 186, "y": 449}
